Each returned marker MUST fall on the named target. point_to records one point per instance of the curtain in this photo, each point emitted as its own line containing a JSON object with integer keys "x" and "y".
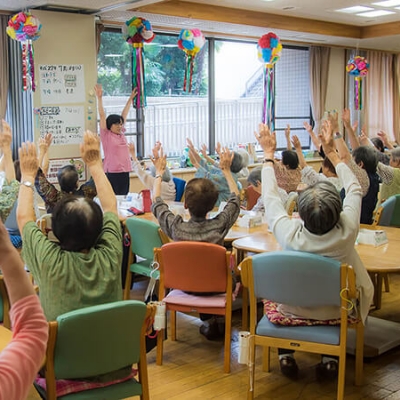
{"x": 20, "y": 105}
{"x": 319, "y": 69}
{"x": 379, "y": 94}
{"x": 3, "y": 65}
{"x": 396, "y": 98}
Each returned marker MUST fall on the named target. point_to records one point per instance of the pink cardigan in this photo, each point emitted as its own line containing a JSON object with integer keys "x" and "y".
{"x": 21, "y": 360}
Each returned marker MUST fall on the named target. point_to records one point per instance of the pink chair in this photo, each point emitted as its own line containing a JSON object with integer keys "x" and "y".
{"x": 195, "y": 267}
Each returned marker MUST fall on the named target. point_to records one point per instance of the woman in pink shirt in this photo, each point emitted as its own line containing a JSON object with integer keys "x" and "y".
{"x": 117, "y": 161}
{"x": 20, "y": 361}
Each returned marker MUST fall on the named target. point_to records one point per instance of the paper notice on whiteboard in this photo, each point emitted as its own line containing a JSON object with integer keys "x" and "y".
{"x": 61, "y": 83}
{"x": 66, "y": 124}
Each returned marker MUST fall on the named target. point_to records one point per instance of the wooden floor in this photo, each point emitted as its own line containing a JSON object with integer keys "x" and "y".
{"x": 193, "y": 366}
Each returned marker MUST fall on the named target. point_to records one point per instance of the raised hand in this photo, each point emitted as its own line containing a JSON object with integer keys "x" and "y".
{"x": 5, "y": 136}
{"x": 159, "y": 160}
{"x": 296, "y": 142}
{"x": 346, "y": 116}
{"x": 333, "y": 118}
{"x": 90, "y": 149}
{"x": 134, "y": 93}
{"x": 307, "y": 127}
{"x": 156, "y": 149}
{"x": 203, "y": 150}
{"x": 225, "y": 159}
{"x": 132, "y": 150}
{"x": 98, "y": 90}
{"x": 326, "y": 137}
{"x": 287, "y": 131}
{"x": 364, "y": 140}
{"x": 29, "y": 163}
{"x": 266, "y": 140}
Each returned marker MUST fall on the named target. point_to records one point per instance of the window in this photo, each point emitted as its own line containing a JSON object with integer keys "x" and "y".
{"x": 225, "y": 103}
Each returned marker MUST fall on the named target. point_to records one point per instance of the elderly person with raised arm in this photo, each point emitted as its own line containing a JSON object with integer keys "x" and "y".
{"x": 327, "y": 227}
{"x": 20, "y": 361}
{"x": 83, "y": 269}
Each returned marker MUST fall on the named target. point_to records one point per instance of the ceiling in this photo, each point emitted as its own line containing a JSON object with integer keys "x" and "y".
{"x": 301, "y": 21}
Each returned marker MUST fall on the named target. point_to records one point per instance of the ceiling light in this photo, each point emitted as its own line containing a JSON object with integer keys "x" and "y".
{"x": 355, "y": 9}
{"x": 388, "y": 3}
{"x": 376, "y": 13}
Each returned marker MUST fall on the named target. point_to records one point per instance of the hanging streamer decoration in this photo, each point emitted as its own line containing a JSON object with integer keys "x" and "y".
{"x": 269, "y": 49}
{"x": 137, "y": 31}
{"x": 358, "y": 67}
{"x": 191, "y": 41}
{"x": 25, "y": 28}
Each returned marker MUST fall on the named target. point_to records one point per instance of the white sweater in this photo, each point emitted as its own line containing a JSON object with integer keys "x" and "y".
{"x": 338, "y": 243}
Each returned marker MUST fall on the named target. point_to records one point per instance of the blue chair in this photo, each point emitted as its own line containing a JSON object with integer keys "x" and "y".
{"x": 94, "y": 341}
{"x": 179, "y": 187}
{"x": 305, "y": 280}
{"x": 144, "y": 236}
{"x": 388, "y": 214}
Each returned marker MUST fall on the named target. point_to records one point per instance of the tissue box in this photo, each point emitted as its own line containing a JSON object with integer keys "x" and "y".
{"x": 372, "y": 237}
{"x": 247, "y": 221}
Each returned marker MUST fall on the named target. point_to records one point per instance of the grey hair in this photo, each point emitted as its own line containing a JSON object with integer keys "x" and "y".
{"x": 245, "y": 157}
{"x": 166, "y": 177}
{"x": 320, "y": 206}
{"x": 254, "y": 177}
{"x": 237, "y": 162}
{"x": 395, "y": 153}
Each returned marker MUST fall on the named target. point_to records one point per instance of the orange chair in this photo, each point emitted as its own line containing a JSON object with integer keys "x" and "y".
{"x": 251, "y": 196}
{"x": 195, "y": 267}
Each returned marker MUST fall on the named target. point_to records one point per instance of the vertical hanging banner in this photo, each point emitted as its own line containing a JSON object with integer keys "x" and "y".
{"x": 137, "y": 31}
{"x": 358, "y": 67}
{"x": 269, "y": 49}
{"x": 191, "y": 41}
{"x": 25, "y": 28}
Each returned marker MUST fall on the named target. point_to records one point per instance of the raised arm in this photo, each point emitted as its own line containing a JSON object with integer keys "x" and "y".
{"x": 159, "y": 160}
{"x": 194, "y": 157}
{"x": 354, "y": 143}
{"x": 299, "y": 152}
{"x": 21, "y": 360}
{"x": 314, "y": 138}
{"x": 98, "y": 90}
{"x": 5, "y": 147}
{"x": 225, "y": 161}
{"x": 206, "y": 156}
{"x": 287, "y": 136}
{"x": 341, "y": 146}
{"x": 90, "y": 153}
{"x": 29, "y": 166}
{"x": 128, "y": 104}
{"x": 328, "y": 145}
{"x": 44, "y": 144}
{"x": 385, "y": 139}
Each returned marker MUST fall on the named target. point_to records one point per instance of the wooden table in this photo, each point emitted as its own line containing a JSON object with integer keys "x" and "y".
{"x": 5, "y": 338}
{"x": 380, "y": 335}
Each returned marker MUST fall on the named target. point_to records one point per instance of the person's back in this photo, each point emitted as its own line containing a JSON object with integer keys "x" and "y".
{"x": 83, "y": 269}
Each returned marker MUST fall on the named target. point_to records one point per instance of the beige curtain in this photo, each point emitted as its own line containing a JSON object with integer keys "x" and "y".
{"x": 99, "y": 29}
{"x": 319, "y": 69}
{"x": 379, "y": 94}
{"x": 396, "y": 99}
{"x": 3, "y": 65}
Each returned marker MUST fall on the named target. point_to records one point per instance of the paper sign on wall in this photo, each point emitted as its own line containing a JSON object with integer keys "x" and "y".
{"x": 57, "y": 163}
{"x": 66, "y": 124}
{"x": 62, "y": 83}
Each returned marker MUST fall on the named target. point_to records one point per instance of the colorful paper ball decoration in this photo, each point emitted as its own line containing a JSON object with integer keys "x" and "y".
{"x": 357, "y": 66}
{"x": 269, "y": 49}
{"x": 137, "y": 30}
{"x": 23, "y": 27}
{"x": 191, "y": 41}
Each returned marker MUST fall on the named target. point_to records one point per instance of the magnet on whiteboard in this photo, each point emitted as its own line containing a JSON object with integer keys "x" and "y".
{"x": 89, "y": 117}
{"x": 91, "y": 93}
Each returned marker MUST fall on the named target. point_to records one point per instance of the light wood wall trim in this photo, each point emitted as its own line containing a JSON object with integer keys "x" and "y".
{"x": 245, "y": 17}
{"x": 381, "y": 30}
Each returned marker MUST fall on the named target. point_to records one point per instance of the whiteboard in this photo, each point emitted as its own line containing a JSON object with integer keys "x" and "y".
{"x": 61, "y": 83}
{"x": 65, "y": 123}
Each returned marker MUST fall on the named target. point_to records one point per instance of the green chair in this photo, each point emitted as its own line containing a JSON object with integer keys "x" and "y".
{"x": 95, "y": 341}
{"x": 145, "y": 236}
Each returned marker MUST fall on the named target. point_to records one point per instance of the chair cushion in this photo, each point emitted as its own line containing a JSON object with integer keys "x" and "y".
{"x": 326, "y": 334}
{"x": 182, "y": 298}
{"x": 66, "y": 386}
{"x": 276, "y": 317}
